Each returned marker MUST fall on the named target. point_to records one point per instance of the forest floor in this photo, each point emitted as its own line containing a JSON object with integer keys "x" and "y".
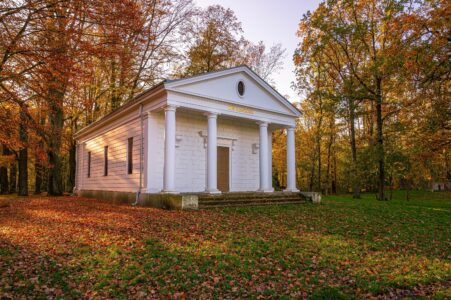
{"x": 54, "y": 247}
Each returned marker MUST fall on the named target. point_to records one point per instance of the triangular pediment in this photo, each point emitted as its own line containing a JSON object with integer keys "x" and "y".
{"x": 223, "y": 86}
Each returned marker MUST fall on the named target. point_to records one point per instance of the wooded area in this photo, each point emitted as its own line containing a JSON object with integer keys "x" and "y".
{"x": 375, "y": 75}
{"x": 373, "y": 79}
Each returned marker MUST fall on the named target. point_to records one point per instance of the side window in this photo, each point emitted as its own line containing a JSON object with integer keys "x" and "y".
{"x": 130, "y": 156}
{"x": 89, "y": 164}
{"x": 105, "y": 165}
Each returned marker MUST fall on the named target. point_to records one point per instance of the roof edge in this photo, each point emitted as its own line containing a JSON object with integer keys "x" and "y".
{"x": 122, "y": 109}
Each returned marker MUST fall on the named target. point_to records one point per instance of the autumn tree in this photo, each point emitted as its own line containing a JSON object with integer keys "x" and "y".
{"x": 367, "y": 40}
{"x": 214, "y": 34}
{"x": 263, "y": 61}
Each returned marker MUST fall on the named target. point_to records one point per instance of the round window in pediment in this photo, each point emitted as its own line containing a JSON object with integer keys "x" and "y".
{"x": 241, "y": 88}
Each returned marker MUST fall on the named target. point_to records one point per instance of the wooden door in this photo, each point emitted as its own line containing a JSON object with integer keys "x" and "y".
{"x": 223, "y": 169}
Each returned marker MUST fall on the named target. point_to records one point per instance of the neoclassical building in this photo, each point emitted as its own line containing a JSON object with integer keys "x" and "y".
{"x": 210, "y": 133}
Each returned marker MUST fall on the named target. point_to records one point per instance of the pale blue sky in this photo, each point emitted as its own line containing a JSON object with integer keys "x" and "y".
{"x": 271, "y": 21}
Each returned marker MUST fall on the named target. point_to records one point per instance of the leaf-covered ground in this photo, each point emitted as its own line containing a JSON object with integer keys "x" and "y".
{"x": 69, "y": 247}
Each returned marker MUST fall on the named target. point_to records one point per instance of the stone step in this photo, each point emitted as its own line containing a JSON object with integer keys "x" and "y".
{"x": 257, "y": 200}
{"x": 210, "y": 206}
{"x": 249, "y": 196}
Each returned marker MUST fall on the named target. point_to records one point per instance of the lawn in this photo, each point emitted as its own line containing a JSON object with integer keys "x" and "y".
{"x": 74, "y": 247}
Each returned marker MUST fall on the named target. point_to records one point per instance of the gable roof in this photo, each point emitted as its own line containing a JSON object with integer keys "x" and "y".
{"x": 240, "y": 68}
{"x": 168, "y": 83}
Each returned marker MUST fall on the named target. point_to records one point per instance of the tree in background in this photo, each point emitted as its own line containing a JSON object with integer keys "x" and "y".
{"x": 379, "y": 60}
{"x": 214, "y": 43}
{"x": 213, "y": 33}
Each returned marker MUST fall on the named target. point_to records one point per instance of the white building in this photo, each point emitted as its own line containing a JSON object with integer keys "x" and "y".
{"x": 208, "y": 133}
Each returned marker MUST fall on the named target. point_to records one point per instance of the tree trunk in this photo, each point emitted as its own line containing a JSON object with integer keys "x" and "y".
{"x": 328, "y": 170}
{"x": 38, "y": 166}
{"x": 319, "y": 162}
{"x": 72, "y": 167}
{"x": 4, "y": 185}
{"x": 45, "y": 179}
{"x": 115, "y": 100}
{"x": 329, "y": 153}
{"x": 56, "y": 120}
{"x": 38, "y": 177}
{"x": 380, "y": 145}
{"x": 334, "y": 182}
{"x": 13, "y": 176}
{"x": 391, "y": 186}
{"x": 355, "y": 176}
{"x": 23, "y": 155}
{"x": 312, "y": 174}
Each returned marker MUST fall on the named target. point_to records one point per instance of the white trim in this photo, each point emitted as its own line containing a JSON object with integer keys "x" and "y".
{"x": 264, "y": 115}
{"x": 225, "y": 101}
{"x": 232, "y": 140}
{"x": 245, "y": 69}
{"x": 123, "y": 110}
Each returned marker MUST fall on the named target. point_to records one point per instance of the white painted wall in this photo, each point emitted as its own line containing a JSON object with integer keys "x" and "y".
{"x": 117, "y": 179}
{"x": 191, "y": 154}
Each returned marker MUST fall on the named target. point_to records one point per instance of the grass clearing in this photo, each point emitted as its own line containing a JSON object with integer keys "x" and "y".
{"x": 342, "y": 248}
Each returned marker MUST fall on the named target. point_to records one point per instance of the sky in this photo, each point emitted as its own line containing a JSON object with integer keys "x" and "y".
{"x": 271, "y": 21}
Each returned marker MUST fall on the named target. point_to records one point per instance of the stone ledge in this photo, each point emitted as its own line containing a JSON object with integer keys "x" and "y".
{"x": 165, "y": 201}
{"x": 189, "y": 201}
{"x": 315, "y": 197}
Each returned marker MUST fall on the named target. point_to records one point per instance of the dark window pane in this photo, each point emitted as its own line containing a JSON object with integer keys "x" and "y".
{"x": 105, "y": 165}
{"x": 130, "y": 156}
{"x": 241, "y": 88}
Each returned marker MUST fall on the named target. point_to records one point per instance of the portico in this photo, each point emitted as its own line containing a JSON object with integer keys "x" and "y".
{"x": 264, "y": 149}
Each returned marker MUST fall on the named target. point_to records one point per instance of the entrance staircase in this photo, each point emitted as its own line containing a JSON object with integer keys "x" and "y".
{"x": 250, "y": 199}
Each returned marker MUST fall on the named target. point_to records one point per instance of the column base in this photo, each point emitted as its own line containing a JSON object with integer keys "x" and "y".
{"x": 291, "y": 190}
{"x": 169, "y": 192}
{"x": 265, "y": 190}
{"x": 214, "y": 192}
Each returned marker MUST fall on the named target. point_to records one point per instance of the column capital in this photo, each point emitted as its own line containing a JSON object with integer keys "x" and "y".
{"x": 290, "y": 128}
{"x": 170, "y": 107}
{"x": 262, "y": 124}
{"x": 211, "y": 114}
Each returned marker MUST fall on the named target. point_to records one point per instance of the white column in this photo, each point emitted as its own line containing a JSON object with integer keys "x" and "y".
{"x": 77, "y": 167}
{"x": 82, "y": 167}
{"x": 270, "y": 187}
{"x": 212, "y": 154}
{"x": 149, "y": 139}
{"x": 263, "y": 151}
{"x": 169, "y": 150}
{"x": 291, "y": 161}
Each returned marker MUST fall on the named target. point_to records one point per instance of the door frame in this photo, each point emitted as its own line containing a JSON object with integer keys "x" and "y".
{"x": 220, "y": 142}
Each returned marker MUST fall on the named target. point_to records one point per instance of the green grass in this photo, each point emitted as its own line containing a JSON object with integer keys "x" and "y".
{"x": 339, "y": 249}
